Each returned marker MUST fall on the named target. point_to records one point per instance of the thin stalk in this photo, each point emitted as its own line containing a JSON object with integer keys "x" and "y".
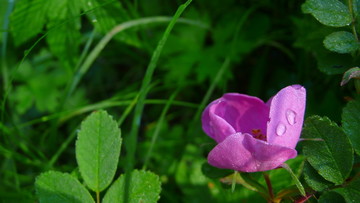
{"x": 128, "y": 110}
{"x": 269, "y": 186}
{"x": 97, "y": 197}
{"x": 224, "y": 66}
{"x": 86, "y": 49}
{"x": 131, "y": 107}
{"x": 233, "y": 183}
{"x": 351, "y": 10}
{"x": 132, "y": 141}
{"x": 4, "y": 68}
{"x": 65, "y": 115}
{"x": 10, "y": 154}
{"x": 62, "y": 148}
{"x": 311, "y": 139}
{"x": 106, "y": 39}
{"x": 158, "y": 127}
{"x": 4, "y": 44}
{"x": 295, "y": 178}
{"x": 131, "y": 145}
{"x": 245, "y": 180}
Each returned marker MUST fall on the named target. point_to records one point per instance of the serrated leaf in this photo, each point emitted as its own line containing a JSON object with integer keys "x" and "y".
{"x": 350, "y": 192}
{"x": 328, "y": 12}
{"x": 143, "y": 186}
{"x": 333, "y": 157}
{"x": 351, "y": 123}
{"x": 28, "y": 19}
{"x": 64, "y": 25}
{"x": 98, "y": 150}
{"x": 341, "y": 42}
{"x": 53, "y": 187}
{"x": 314, "y": 180}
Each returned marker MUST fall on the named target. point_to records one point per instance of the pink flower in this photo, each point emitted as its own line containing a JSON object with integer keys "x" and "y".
{"x": 252, "y": 135}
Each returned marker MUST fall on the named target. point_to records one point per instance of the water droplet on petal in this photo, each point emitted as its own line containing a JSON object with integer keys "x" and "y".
{"x": 290, "y": 117}
{"x": 280, "y": 129}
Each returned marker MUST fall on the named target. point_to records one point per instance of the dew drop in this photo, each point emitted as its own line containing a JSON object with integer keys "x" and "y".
{"x": 280, "y": 129}
{"x": 290, "y": 117}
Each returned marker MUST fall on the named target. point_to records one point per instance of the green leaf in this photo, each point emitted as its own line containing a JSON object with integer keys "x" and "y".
{"x": 281, "y": 179}
{"x": 349, "y": 74}
{"x": 331, "y": 197}
{"x": 105, "y": 15}
{"x": 350, "y": 192}
{"x": 341, "y": 42}
{"x": 333, "y": 63}
{"x": 328, "y": 12}
{"x": 333, "y": 157}
{"x": 295, "y": 179}
{"x": 98, "y": 150}
{"x": 328, "y": 62}
{"x": 28, "y": 19}
{"x": 356, "y": 7}
{"x": 143, "y": 186}
{"x": 314, "y": 180}
{"x": 53, "y": 187}
{"x": 64, "y": 25}
{"x": 23, "y": 98}
{"x": 351, "y": 123}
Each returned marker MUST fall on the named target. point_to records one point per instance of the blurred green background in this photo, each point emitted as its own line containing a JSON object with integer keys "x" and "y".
{"x": 251, "y": 47}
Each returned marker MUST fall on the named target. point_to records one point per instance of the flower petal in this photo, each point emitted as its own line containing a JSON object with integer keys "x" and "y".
{"x": 242, "y": 152}
{"x": 287, "y": 110}
{"x": 213, "y": 125}
{"x": 234, "y": 113}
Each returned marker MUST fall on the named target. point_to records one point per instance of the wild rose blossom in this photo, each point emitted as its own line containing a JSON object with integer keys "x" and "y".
{"x": 252, "y": 135}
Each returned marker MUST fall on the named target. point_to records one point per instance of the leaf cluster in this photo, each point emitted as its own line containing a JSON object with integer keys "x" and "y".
{"x": 97, "y": 153}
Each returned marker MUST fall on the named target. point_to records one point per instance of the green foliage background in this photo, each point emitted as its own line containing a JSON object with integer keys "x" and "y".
{"x": 51, "y": 82}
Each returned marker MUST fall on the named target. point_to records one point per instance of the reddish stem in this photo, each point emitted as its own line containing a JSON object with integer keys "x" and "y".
{"x": 269, "y": 186}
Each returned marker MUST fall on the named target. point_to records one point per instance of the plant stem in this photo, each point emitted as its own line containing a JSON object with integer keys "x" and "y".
{"x": 351, "y": 10}
{"x": 4, "y": 44}
{"x": 97, "y": 197}
{"x": 233, "y": 183}
{"x": 158, "y": 128}
{"x": 269, "y": 186}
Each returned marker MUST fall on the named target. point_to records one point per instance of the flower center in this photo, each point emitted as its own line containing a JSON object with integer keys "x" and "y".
{"x": 258, "y": 135}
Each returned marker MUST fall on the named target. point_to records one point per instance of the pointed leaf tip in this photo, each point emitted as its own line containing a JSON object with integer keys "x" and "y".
{"x": 349, "y": 74}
